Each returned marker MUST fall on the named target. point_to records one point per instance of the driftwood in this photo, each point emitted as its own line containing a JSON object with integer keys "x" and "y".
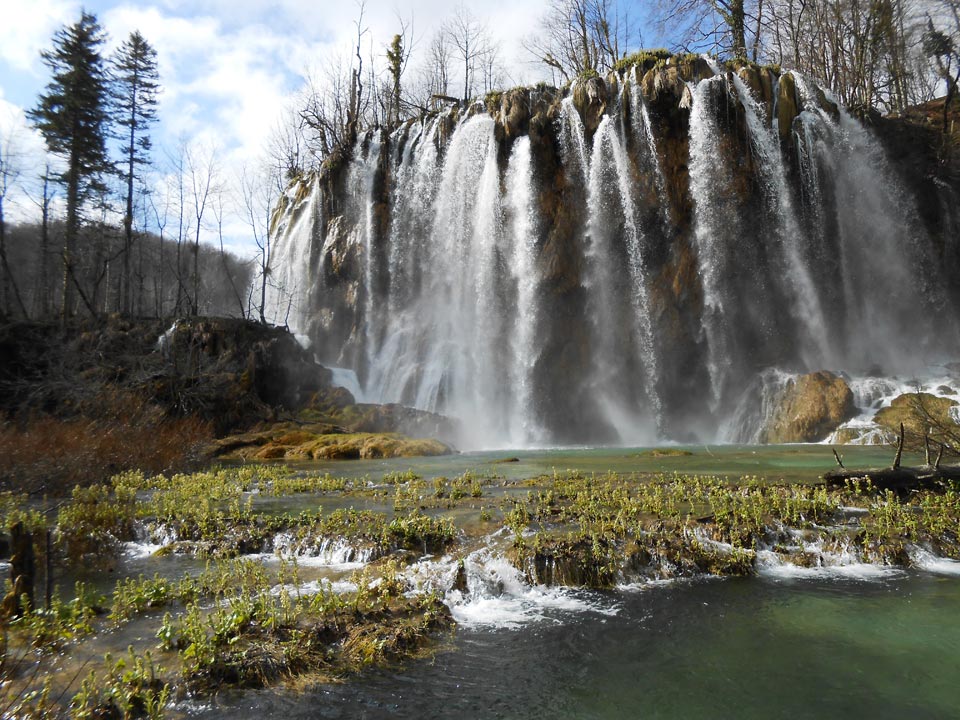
{"x": 898, "y": 478}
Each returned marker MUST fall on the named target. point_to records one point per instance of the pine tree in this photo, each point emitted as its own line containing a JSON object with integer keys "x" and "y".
{"x": 395, "y": 60}
{"x": 134, "y": 89}
{"x": 72, "y": 115}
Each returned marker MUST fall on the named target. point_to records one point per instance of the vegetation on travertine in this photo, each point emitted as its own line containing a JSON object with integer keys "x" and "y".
{"x": 246, "y": 621}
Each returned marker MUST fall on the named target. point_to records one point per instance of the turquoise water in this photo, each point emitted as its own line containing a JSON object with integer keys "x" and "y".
{"x": 794, "y": 463}
{"x": 746, "y": 648}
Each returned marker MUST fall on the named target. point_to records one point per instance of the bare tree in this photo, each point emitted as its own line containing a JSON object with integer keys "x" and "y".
{"x": 720, "y": 26}
{"x": 941, "y": 44}
{"x": 869, "y": 54}
{"x": 580, "y": 36}
{"x": 179, "y": 170}
{"x": 471, "y": 45}
{"x": 432, "y": 78}
{"x": 258, "y": 199}
{"x": 43, "y": 202}
{"x": 325, "y": 110}
{"x": 203, "y": 172}
{"x": 286, "y": 147}
{"x": 9, "y": 174}
{"x": 217, "y": 205}
{"x": 161, "y": 214}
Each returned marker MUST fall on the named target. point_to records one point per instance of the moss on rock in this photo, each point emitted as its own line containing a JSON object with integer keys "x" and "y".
{"x": 813, "y": 406}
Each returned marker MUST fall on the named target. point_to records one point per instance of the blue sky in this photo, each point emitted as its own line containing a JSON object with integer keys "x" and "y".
{"x": 228, "y": 67}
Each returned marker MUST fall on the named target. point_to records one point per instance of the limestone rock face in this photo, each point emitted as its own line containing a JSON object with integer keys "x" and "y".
{"x": 787, "y": 108}
{"x": 921, "y": 414}
{"x": 590, "y": 99}
{"x": 811, "y": 408}
{"x": 663, "y": 81}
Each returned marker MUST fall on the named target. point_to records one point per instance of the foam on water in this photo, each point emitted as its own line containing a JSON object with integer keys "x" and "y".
{"x": 315, "y": 587}
{"x": 498, "y": 596}
{"x": 334, "y": 553}
{"x": 925, "y": 560}
{"x": 772, "y": 565}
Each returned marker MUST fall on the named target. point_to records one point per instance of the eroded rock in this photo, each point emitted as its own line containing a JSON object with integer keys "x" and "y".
{"x": 812, "y": 406}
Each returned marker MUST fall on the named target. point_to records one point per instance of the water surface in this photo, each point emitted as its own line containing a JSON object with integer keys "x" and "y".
{"x": 744, "y": 648}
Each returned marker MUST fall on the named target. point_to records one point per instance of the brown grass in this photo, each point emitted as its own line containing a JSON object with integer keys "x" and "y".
{"x": 44, "y": 454}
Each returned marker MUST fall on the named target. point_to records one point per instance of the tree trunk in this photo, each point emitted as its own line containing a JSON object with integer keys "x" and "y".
{"x": 69, "y": 241}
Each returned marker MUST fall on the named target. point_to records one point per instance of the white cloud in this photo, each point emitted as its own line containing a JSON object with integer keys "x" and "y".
{"x": 229, "y": 67}
{"x": 24, "y": 149}
{"x": 27, "y": 28}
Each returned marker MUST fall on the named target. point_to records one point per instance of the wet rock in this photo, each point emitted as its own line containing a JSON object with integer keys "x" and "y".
{"x": 590, "y": 100}
{"x": 812, "y": 406}
{"x": 921, "y": 414}
{"x": 663, "y": 82}
{"x": 787, "y": 106}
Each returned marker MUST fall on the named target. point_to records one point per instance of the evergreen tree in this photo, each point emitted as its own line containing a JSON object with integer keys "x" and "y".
{"x": 73, "y": 117}
{"x": 395, "y": 60}
{"x": 134, "y": 89}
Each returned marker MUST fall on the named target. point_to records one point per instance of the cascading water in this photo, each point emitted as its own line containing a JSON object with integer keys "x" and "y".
{"x": 795, "y": 270}
{"x": 563, "y": 271}
{"x": 293, "y": 271}
{"x": 623, "y": 349}
{"x": 717, "y": 235}
{"x": 522, "y": 230}
{"x": 892, "y": 288}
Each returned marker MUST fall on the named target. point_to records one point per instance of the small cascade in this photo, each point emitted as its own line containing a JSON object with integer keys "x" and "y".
{"x": 491, "y": 592}
{"x": 415, "y": 187}
{"x": 871, "y": 394}
{"x": 572, "y": 141}
{"x": 805, "y": 306}
{"x": 891, "y": 289}
{"x": 642, "y": 131}
{"x": 335, "y": 552}
{"x": 362, "y": 181}
{"x": 347, "y": 379}
{"x": 757, "y": 407}
{"x": 623, "y": 349}
{"x": 442, "y": 351}
{"x": 295, "y": 239}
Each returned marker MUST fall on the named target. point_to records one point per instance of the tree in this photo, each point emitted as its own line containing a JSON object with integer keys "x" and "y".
{"x": 258, "y": 197}
{"x": 9, "y": 172}
{"x": 43, "y": 203}
{"x": 471, "y": 41}
{"x": 202, "y": 167}
{"x": 721, "y": 25}
{"x": 395, "y": 61}
{"x": 72, "y": 115}
{"x": 943, "y": 49}
{"x": 578, "y": 36}
{"x": 134, "y": 89}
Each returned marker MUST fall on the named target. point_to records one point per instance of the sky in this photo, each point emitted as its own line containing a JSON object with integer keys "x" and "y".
{"x": 228, "y": 67}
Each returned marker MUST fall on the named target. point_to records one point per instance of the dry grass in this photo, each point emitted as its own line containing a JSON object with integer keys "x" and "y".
{"x": 44, "y": 454}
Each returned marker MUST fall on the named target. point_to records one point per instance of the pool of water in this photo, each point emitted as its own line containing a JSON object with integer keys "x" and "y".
{"x": 745, "y": 648}
{"x": 792, "y": 463}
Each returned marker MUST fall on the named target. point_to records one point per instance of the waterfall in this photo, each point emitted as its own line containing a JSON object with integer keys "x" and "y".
{"x": 664, "y": 267}
{"x": 717, "y": 229}
{"x": 792, "y": 267}
{"x": 893, "y": 293}
{"x": 293, "y": 272}
{"x": 614, "y": 242}
{"x": 522, "y": 232}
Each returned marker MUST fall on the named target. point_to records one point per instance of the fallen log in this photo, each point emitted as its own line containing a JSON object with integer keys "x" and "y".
{"x": 898, "y": 478}
{"x": 901, "y": 479}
